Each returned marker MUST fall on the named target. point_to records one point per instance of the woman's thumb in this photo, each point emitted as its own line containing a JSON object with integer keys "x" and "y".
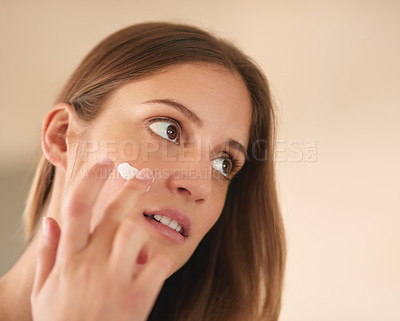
{"x": 47, "y": 253}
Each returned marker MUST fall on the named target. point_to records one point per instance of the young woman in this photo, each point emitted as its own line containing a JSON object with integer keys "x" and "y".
{"x": 197, "y": 233}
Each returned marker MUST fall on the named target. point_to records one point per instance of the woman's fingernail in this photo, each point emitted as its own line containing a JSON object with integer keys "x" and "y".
{"x": 45, "y": 226}
{"x": 148, "y": 187}
{"x": 144, "y": 174}
{"x": 106, "y": 161}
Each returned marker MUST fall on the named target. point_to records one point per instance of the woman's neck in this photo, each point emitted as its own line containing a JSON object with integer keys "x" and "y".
{"x": 16, "y": 285}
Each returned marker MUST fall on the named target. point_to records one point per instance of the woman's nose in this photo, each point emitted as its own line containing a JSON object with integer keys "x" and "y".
{"x": 191, "y": 180}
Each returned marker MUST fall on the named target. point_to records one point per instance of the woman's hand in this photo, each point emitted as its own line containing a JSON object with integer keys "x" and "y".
{"x": 90, "y": 277}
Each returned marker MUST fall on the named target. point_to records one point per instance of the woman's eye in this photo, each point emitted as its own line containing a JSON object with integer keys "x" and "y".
{"x": 223, "y": 165}
{"x": 166, "y": 129}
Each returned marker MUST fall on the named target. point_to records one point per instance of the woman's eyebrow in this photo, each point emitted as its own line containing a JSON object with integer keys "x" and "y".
{"x": 236, "y": 145}
{"x": 183, "y": 109}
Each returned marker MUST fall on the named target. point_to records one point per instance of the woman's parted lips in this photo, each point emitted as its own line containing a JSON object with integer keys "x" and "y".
{"x": 173, "y": 214}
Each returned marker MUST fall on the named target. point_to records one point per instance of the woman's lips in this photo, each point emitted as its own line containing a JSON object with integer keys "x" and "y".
{"x": 165, "y": 231}
{"x": 180, "y": 232}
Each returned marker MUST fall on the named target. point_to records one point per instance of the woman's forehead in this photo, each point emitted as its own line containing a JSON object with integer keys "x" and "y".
{"x": 217, "y": 97}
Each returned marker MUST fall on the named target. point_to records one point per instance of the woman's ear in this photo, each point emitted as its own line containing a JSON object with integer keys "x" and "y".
{"x": 56, "y": 130}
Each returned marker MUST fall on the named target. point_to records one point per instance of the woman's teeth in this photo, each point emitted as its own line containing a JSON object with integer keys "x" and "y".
{"x": 168, "y": 222}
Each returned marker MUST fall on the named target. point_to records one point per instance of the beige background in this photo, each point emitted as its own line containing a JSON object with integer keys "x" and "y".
{"x": 334, "y": 70}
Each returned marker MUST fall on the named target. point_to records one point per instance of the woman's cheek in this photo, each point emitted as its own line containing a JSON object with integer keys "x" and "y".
{"x": 209, "y": 221}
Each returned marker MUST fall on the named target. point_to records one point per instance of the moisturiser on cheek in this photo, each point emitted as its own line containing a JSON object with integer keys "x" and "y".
{"x": 127, "y": 171}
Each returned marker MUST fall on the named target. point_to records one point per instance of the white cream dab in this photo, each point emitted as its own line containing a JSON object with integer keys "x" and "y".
{"x": 127, "y": 171}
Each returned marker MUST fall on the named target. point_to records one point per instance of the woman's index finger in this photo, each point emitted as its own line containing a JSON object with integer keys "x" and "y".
{"x": 122, "y": 206}
{"x": 78, "y": 208}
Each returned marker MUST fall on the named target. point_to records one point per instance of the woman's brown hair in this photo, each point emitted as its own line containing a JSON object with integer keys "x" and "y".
{"x": 236, "y": 273}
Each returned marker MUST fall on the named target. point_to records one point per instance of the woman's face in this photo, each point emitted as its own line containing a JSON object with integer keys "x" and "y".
{"x": 188, "y": 125}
